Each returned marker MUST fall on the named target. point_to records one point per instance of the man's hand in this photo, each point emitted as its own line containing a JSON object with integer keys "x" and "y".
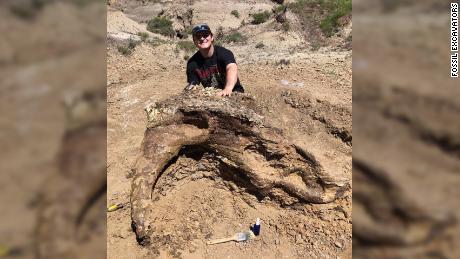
{"x": 225, "y": 92}
{"x": 231, "y": 79}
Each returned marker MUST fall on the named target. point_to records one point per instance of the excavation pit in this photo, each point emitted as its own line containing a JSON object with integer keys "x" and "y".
{"x": 210, "y": 166}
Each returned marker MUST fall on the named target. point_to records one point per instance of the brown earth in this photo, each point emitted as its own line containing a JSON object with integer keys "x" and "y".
{"x": 307, "y": 96}
{"x": 46, "y": 165}
{"x": 406, "y": 158}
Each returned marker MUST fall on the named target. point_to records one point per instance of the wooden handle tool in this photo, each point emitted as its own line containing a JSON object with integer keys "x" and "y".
{"x": 239, "y": 237}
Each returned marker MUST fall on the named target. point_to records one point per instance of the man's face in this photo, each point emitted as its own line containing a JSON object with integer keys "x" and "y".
{"x": 203, "y": 40}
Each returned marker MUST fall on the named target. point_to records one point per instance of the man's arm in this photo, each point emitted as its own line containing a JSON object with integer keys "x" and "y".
{"x": 230, "y": 80}
{"x": 192, "y": 78}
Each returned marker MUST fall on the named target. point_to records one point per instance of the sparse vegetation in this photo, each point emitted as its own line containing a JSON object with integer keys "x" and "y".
{"x": 188, "y": 30}
{"x": 234, "y": 37}
{"x": 155, "y": 42}
{"x": 326, "y": 15}
{"x": 337, "y": 9}
{"x": 278, "y": 9}
{"x": 284, "y": 62}
{"x": 124, "y": 50}
{"x": 259, "y": 18}
{"x": 286, "y": 26}
{"x": 161, "y": 25}
{"x": 127, "y": 49}
{"x": 315, "y": 46}
{"x": 235, "y": 13}
{"x": 219, "y": 35}
{"x": 186, "y": 46}
{"x": 348, "y": 42}
{"x": 143, "y": 35}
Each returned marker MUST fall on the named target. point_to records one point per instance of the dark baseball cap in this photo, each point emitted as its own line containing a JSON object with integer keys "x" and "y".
{"x": 200, "y": 28}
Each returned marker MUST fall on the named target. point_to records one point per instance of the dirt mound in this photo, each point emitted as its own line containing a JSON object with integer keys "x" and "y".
{"x": 226, "y": 150}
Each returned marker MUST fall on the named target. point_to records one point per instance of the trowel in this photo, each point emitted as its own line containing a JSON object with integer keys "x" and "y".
{"x": 238, "y": 237}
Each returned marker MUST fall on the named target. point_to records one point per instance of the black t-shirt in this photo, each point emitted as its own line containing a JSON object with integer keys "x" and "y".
{"x": 211, "y": 72}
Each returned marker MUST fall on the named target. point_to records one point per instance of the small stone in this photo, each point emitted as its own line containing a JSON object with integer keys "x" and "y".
{"x": 298, "y": 238}
{"x": 338, "y": 244}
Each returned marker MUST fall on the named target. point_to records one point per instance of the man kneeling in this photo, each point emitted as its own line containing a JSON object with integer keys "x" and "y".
{"x": 212, "y": 66}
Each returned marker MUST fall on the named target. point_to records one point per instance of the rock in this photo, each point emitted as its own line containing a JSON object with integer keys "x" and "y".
{"x": 338, "y": 244}
{"x": 298, "y": 238}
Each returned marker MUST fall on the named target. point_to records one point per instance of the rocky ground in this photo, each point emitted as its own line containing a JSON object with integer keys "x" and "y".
{"x": 304, "y": 92}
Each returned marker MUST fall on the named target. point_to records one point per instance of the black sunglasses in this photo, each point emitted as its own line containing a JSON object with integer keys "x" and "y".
{"x": 200, "y": 35}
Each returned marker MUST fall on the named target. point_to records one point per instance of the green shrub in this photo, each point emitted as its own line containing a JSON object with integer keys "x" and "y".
{"x": 234, "y": 37}
{"x": 144, "y": 36}
{"x": 278, "y": 9}
{"x": 259, "y": 18}
{"x": 235, "y": 13}
{"x": 315, "y": 46}
{"x": 124, "y": 50}
{"x": 161, "y": 25}
{"x": 327, "y": 12}
{"x": 337, "y": 9}
{"x": 127, "y": 49}
{"x": 186, "y": 45}
{"x": 132, "y": 44}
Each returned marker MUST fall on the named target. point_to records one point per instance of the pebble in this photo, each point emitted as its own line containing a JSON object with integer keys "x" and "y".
{"x": 338, "y": 244}
{"x": 298, "y": 238}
